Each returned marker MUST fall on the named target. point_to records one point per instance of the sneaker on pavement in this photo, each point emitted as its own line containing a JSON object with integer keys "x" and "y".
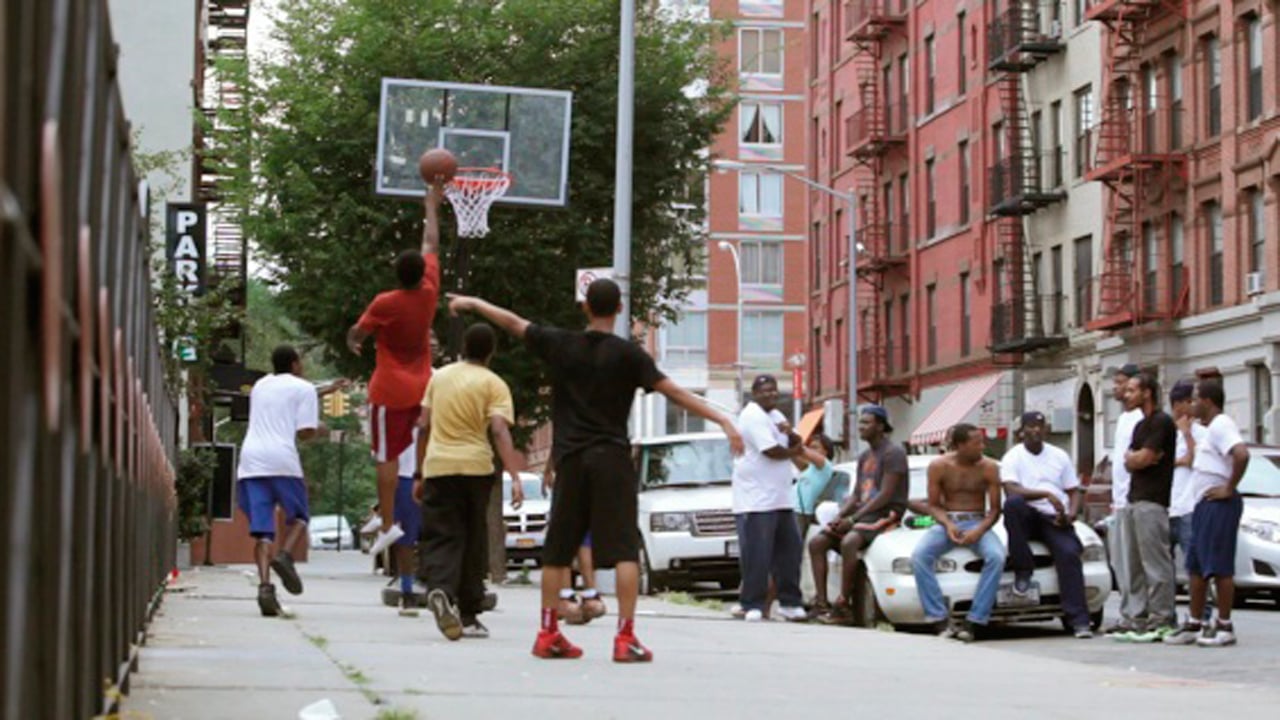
{"x": 374, "y": 525}
{"x": 1220, "y": 636}
{"x": 753, "y": 616}
{"x": 1185, "y": 635}
{"x": 964, "y": 632}
{"x": 738, "y": 612}
{"x": 1083, "y": 633}
{"x": 553, "y": 646}
{"x": 267, "y": 602}
{"x": 793, "y": 614}
{"x": 288, "y": 574}
{"x": 475, "y": 630}
{"x": 840, "y": 614}
{"x": 408, "y": 608}
{"x": 385, "y": 539}
{"x": 1022, "y": 584}
{"x": 446, "y": 614}
{"x": 627, "y": 649}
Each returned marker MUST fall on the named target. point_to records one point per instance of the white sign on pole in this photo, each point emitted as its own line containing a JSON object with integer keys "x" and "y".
{"x": 586, "y": 276}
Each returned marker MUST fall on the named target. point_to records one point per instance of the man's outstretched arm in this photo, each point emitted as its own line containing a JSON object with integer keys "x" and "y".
{"x": 695, "y": 405}
{"x": 502, "y": 317}
{"x": 431, "y": 221}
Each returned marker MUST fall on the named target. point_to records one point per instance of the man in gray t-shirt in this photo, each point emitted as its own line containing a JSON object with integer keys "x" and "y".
{"x": 877, "y": 502}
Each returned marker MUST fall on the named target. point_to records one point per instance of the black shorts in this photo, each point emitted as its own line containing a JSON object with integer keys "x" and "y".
{"x": 595, "y": 492}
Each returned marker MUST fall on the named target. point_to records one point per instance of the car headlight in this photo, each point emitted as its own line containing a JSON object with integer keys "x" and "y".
{"x": 1263, "y": 529}
{"x": 1093, "y": 553}
{"x": 671, "y": 522}
{"x": 903, "y": 566}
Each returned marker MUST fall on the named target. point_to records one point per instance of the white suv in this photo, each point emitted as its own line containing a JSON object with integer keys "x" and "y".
{"x": 686, "y": 511}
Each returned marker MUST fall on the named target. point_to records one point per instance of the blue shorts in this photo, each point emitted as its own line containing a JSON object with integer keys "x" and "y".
{"x": 257, "y": 498}
{"x": 1214, "y": 528}
{"x": 408, "y": 513}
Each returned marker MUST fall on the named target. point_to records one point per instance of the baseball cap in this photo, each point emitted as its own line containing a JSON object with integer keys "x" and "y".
{"x": 1180, "y": 391}
{"x": 878, "y": 411}
{"x": 1031, "y": 417}
{"x": 1129, "y": 370}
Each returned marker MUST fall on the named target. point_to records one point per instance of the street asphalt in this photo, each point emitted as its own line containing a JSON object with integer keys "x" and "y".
{"x": 209, "y": 655}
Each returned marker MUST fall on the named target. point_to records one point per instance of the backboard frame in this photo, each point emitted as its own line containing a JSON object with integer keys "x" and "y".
{"x": 445, "y": 131}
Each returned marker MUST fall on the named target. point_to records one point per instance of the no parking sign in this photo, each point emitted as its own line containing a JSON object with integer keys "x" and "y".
{"x": 586, "y": 276}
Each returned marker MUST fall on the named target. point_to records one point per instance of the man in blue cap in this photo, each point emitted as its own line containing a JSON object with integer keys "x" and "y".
{"x": 878, "y": 500}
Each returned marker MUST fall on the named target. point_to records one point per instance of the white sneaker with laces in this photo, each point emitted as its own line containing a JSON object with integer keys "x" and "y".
{"x": 386, "y": 538}
{"x": 1219, "y": 636}
{"x": 753, "y": 616}
{"x": 793, "y": 614}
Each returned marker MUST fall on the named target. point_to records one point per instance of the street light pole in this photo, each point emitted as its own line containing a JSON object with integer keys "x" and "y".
{"x": 623, "y": 165}
{"x": 851, "y": 203}
{"x": 737, "y": 274}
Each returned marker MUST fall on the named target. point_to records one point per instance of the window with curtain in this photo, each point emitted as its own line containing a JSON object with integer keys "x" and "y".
{"x": 761, "y": 123}
{"x": 1213, "y": 226}
{"x": 1253, "y": 34}
{"x": 760, "y": 51}
{"x": 762, "y": 337}
{"x": 684, "y": 342}
{"x": 761, "y": 263}
{"x": 760, "y": 194}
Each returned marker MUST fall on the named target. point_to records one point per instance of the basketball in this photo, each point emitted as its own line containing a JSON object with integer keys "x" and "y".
{"x": 437, "y": 163}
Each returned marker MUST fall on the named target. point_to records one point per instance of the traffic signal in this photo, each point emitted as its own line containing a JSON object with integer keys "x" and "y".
{"x": 335, "y": 404}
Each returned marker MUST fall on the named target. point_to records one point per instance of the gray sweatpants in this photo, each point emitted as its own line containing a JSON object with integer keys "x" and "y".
{"x": 1140, "y": 557}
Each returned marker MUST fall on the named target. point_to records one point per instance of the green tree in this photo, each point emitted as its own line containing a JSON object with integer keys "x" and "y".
{"x": 309, "y": 208}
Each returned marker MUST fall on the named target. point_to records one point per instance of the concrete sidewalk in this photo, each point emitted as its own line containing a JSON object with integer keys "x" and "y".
{"x": 210, "y": 655}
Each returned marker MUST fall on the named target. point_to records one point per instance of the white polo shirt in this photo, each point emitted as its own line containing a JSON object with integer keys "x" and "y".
{"x": 761, "y": 484}
{"x": 1051, "y": 470}
{"x": 279, "y": 406}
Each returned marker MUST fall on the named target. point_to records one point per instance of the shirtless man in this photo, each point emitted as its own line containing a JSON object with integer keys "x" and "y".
{"x": 964, "y": 499}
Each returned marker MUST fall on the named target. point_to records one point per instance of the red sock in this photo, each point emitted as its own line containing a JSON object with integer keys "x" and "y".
{"x": 550, "y": 621}
{"x": 626, "y": 626}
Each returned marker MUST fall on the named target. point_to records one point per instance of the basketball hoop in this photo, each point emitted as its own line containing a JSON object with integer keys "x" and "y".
{"x": 471, "y": 192}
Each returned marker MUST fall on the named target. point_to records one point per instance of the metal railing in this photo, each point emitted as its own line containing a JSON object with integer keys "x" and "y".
{"x": 87, "y": 426}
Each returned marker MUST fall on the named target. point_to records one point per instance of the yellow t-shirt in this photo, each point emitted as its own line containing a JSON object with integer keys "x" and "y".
{"x": 462, "y": 398}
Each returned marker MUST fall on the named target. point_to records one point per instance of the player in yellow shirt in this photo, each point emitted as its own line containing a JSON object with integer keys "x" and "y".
{"x": 463, "y": 404}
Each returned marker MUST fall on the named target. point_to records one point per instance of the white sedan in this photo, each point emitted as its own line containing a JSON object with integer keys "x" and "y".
{"x": 885, "y": 587}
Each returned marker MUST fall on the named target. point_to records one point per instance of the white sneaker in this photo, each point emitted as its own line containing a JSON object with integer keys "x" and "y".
{"x": 737, "y": 611}
{"x": 793, "y": 614}
{"x": 1219, "y": 636}
{"x": 385, "y": 539}
{"x": 753, "y": 616}
{"x": 374, "y": 525}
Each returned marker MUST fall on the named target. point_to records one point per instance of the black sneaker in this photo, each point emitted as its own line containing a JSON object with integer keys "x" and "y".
{"x": 1022, "y": 584}
{"x": 964, "y": 632}
{"x": 446, "y": 613}
{"x": 267, "y": 602}
{"x": 283, "y": 565}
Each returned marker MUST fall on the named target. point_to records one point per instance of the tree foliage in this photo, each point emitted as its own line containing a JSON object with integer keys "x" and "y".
{"x": 309, "y": 207}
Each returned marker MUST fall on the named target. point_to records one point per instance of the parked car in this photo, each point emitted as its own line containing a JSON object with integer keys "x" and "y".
{"x": 686, "y": 511}
{"x": 326, "y": 529}
{"x": 885, "y": 586}
{"x": 526, "y": 526}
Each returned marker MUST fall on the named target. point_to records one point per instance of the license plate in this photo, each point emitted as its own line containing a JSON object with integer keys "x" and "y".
{"x": 731, "y": 548}
{"x": 525, "y": 542}
{"x": 1006, "y": 598}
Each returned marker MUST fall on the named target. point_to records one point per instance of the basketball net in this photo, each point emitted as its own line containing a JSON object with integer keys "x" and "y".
{"x": 471, "y": 192}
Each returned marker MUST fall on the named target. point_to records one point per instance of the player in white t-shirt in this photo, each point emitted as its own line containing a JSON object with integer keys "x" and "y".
{"x": 1220, "y": 461}
{"x": 1042, "y": 501}
{"x": 1122, "y": 540}
{"x": 282, "y": 409}
{"x": 769, "y": 542}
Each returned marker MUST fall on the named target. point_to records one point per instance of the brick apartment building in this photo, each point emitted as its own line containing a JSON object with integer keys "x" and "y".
{"x": 1046, "y": 190}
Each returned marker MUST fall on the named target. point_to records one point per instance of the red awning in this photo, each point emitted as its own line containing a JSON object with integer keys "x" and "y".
{"x": 954, "y": 408}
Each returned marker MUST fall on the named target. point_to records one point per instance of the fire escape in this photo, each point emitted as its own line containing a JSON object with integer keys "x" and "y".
{"x": 222, "y": 105}
{"x": 1022, "y": 319}
{"x": 1137, "y": 158}
{"x": 877, "y": 128}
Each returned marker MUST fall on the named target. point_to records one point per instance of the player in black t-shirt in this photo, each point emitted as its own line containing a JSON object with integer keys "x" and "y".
{"x": 1150, "y": 459}
{"x": 594, "y": 376}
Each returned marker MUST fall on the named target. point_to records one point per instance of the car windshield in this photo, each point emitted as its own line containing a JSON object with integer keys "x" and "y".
{"x": 1262, "y": 477}
{"x": 688, "y": 462}
{"x": 532, "y": 488}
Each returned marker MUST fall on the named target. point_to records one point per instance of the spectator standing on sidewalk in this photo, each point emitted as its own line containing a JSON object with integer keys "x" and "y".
{"x": 1149, "y": 460}
{"x": 1220, "y": 461}
{"x": 769, "y": 543}
{"x": 1122, "y": 542}
{"x": 1042, "y": 500}
{"x": 964, "y": 499}
{"x": 1182, "y": 498}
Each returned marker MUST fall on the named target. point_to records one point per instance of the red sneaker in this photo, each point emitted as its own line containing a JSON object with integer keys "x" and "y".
{"x": 627, "y": 649}
{"x": 553, "y": 646}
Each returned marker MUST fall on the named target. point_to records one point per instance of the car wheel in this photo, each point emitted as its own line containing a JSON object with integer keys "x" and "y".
{"x": 866, "y": 609}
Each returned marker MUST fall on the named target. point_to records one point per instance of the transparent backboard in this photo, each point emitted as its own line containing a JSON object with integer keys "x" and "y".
{"x": 523, "y": 131}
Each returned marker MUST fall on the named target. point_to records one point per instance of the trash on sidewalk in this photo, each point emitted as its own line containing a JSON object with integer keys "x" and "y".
{"x": 320, "y": 710}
